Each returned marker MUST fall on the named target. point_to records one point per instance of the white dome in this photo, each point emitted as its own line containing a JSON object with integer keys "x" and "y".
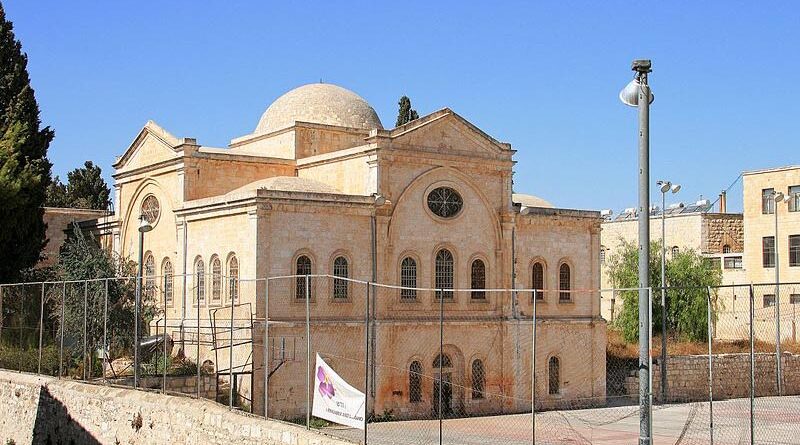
{"x": 530, "y": 200}
{"x": 319, "y": 103}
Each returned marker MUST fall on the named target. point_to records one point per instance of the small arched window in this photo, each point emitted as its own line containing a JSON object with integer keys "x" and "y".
{"x": 602, "y": 256}
{"x": 415, "y": 382}
{"x": 442, "y": 361}
{"x": 675, "y": 250}
{"x": 200, "y": 281}
{"x": 478, "y": 280}
{"x": 340, "y": 270}
{"x": 233, "y": 278}
{"x": 726, "y": 248}
{"x": 149, "y": 276}
{"x": 167, "y": 274}
{"x": 444, "y": 274}
{"x": 478, "y": 379}
{"x": 216, "y": 279}
{"x": 564, "y": 282}
{"x": 408, "y": 278}
{"x": 537, "y": 280}
{"x": 553, "y": 374}
{"x": 302, "y": 267}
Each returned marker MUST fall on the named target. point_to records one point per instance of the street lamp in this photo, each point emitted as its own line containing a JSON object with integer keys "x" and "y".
{"x": 144, "y": 226}
{"x": 664, "y": 187}
{"x": 778, "y": 197}
{"x": 637, "y": 94}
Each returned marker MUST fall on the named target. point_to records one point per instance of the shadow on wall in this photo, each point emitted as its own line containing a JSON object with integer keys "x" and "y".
{"x": 54, "y": 425}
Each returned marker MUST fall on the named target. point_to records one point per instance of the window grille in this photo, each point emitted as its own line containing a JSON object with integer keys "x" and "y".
{"x": 415, "y": 382}
{"x": 303, "y": 267}
{"x": 340, "y": 270}
{"x": 233, "y": 279}
{"x": 564, "y": 282}
{"x": 478, "y": 379}
{"x": 478, "y": 280}
{"x": 537, "y": 280}
{"x": 149, "y": 276}
{"x": 408, "y": 278}
{"x": 444, "y": 274}
{"x": 167, "y": 275}
{"x": 216, "y": 279}
{"x": 554, "y": 378}
{"x": 200, "y": 285}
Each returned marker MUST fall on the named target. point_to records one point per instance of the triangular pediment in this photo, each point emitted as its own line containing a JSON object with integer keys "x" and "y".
{"x": 152, "y": 145}
{"x": 447, "y": 132}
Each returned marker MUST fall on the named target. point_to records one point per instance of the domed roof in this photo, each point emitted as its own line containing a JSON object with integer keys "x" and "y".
{"x": 319, "y": 103}
{"x": 287, "y": 184}
{"x": 530, "y": 200}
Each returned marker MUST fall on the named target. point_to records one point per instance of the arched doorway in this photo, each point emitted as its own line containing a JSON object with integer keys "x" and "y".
{"x": 448, "y": 383}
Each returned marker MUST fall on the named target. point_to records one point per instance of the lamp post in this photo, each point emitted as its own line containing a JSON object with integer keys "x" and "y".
{"x": 637, "y": 94}
{"x": 778, "y": 197}
{"x": 144, "y": 226}
{"x": 664, "y": 187}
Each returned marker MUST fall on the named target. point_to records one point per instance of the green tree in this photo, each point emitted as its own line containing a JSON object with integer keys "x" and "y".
{"x": 688, "y": 277}
{"x": 406, "y": 113}
{"x": 85, "y": 189}
{"x": 24, "y": 168}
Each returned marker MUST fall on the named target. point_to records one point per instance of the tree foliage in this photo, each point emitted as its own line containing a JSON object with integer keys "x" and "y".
{"x": 688, "y": 276}
{"x": 85, "y": 189}
{"x": 24, "y": 167}
{"x": 405, "y": 113}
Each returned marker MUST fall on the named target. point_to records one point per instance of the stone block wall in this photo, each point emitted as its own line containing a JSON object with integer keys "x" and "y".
{"x": 720, "y": 229}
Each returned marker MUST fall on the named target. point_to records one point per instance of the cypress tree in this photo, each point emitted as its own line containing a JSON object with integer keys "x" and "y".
{"x": 24, "y": 167}
{"x": 405, "y": 114}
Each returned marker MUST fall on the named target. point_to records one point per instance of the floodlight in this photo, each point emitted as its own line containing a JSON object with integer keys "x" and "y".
{"x": 676, "y": 188}
{"x": 144, "y": 225}
{"x": 665, "y": 185}
{"x": 630, "y": 94}
{"x": 778, "y": 196}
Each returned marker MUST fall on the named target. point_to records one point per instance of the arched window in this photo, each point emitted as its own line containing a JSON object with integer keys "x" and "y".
{"x": 340, "y": 270}
{"x": 415, "y": 382}
{"x": 564, "y": 282}
{"x": 408, "y": 278}
{"x": 554, "y": 377}
{"x": 216, "y": 279}
{"x": 167, "y": 274}
{"x": 233, "y": 278}
{"x": 442, "y": 361}
{"x": 478, "y": 379}
{"x": 444, "y": 274}
{"x": 726, "y": 248}
{"x": 537, "y": 280}
{"x": 149, "y": 276}
{"x": 478, "y": 280}
{"x": 675, "y": 250}
{"x": 602, "y": 256}
{"x": 200, "y": 281}
{"x": 303, "y": 267}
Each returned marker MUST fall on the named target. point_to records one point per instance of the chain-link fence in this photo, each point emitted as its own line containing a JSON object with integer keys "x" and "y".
{"x": 433, "y": 365}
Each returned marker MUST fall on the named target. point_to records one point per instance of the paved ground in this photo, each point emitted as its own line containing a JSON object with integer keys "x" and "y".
{"x": 777, "y": 421}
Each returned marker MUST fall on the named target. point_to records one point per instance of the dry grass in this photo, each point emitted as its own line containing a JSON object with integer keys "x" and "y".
{"x": 617, "y": 347}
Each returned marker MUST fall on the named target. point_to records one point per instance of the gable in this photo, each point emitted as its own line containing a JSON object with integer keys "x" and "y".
{"x": 448, "y": 133}
{"x": 151, "y": 146}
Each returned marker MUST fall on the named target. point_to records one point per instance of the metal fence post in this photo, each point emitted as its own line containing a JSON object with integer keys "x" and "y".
{"x": 267, "y": 349}
{"x": 106, "y": 347}
{"x": 752, "y": 368}
{"x": 85, "y": 317}
{"x": 441, "y": 354}
{"x": 230, "y": 361}
{"x": 308, "y": 353}
{"x": 164, "y": 291}
{"x": 710, "y": 367}
{"x": 41, "y": 329}
{"x": 649, "y": 364}
{"x": 197, "y": 354}
{"x": 366, "y": 362}
{"x": 533, "y": 369}
{"x": 61, "y": 334}
{"x": 778, "y": 367}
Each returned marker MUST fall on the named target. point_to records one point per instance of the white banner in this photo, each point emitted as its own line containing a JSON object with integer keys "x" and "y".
{"x": 335, "y": 400}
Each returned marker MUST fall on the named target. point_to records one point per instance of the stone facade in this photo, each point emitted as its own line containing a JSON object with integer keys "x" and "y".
{"x": 58, "y": 221}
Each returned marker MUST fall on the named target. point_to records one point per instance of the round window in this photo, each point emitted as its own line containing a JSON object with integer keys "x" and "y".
{"x": 150, "y": 209}
{"x": 445, "y": 202}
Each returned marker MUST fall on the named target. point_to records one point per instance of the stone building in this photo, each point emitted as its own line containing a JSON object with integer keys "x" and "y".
{"x": 320, "y": 187}
{"x": 58, "y": 221}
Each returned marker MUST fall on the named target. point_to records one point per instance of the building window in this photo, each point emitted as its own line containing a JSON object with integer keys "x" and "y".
{"x": 233, "y": 278}
{"x": 415, "y": 382}
{"x": 768, "y": 251}
{"x": 303, "y": 267}
{"x": 408, "y": 278}
{"x": 150, "y": 209}
{"x": 200, "y": 281}
{"x": 733, "y": 262}
{"x": 216, "y": 279}
{"x": 564, "y": 282}
{"x": 444, "y": 274}
{"x": 675, "y": 250}
{"x": 602, "y": 256}
{"x": 767, "y": 203}
{"x": 769, "y": 300}
{"x": 167, "y": 274}
{"x": 553, "y": 374}
{"x": 794, "y": 298}
{"x": 726, "y": 248}
{"x": 794, "y": 250}
{"x": 478, "y": 379}
{"x": 444, "y": 202}
{"x": 340, "y": 270}
{"x": 537, "y": 280}
{"x": 478, "y": 280}
{"x": 794, "y": 198}
{"x": 442, "y": 361}
{"x": 149, "y": 276}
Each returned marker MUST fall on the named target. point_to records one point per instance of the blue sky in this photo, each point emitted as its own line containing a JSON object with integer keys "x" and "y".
{"x": 542, "y": 76}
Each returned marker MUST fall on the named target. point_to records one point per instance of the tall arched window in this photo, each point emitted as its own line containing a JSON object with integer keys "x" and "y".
{"x": 149, "y": 276}
{"x": 444, "y": 274}
{"x": 537, "y": 280}
{"x": 340, "y": 270}
{"x": 415, "y": 382}
{"x": 553, "y": 374}
{"x": 200, "y": 281}
{"x": 167, "y": 274}
{"x": 564, "y": 282}
{"x": 478, "y": 280}
{"x": 216, "y": 279}
{"x": 408, "y": 278}
{"x": 302, "y": 267}
{"x": 233, "y": 278}
{"x": 478, "y": 379}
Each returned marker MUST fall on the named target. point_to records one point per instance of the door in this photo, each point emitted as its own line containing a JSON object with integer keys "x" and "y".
{"x": 446, "y": 394}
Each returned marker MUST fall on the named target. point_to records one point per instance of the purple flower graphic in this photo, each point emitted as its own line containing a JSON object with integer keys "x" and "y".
{"x": 325, "y": 384}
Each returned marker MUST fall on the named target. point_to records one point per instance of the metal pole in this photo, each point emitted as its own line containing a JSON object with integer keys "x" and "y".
{"x": 752, "y": 369}
{"x": 41, "y": 329}
{"x": 1, "y": 312}
{"x": 61, "y": 326}
{"x": 136, "y": 309}
{"x": 777, "y": 308}
{"x": 441, "y": 358}
{"x": 85, "y": 316}
{"x": 663, "y": 301}
{"x": 710, "y": 367}
{"x": 164, "y": 291}
{"x": 197, "y": 353}
{"x": 650, "y": 363}
{"x": 266, "y": 349}
{"x": 230, "y": 360}
{"x": 533, "y": 370}
{"x": 308, "y": 354}
{"x": 366, "y": 363}
{"x": 106, "y": 348}
{"x": 645, "y": 433}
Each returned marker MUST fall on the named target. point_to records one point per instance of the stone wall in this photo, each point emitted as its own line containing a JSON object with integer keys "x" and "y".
{"x": 46, "y": 410}
{"x": 720, "y": 229}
